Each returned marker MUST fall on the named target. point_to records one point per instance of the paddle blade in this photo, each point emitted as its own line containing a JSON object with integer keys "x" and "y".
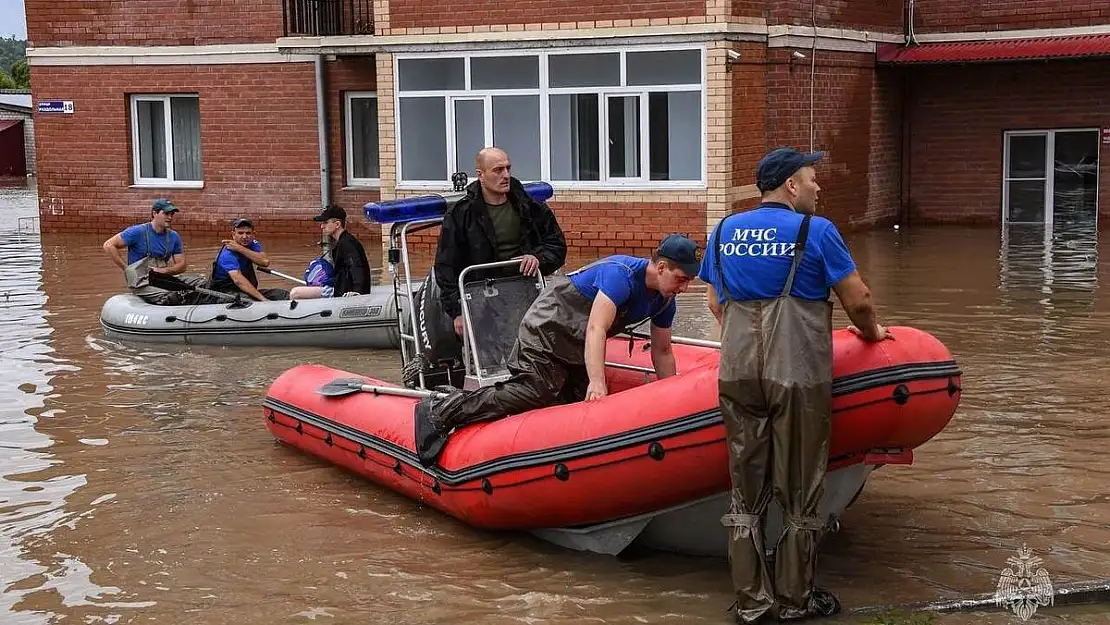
{"x": 167, "y": 282}
{"x": 341, "y": 387}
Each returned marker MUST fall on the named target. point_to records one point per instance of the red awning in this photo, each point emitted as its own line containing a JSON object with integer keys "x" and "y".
{"x": 9, "y": 123}
{"x": 998, "y": 50}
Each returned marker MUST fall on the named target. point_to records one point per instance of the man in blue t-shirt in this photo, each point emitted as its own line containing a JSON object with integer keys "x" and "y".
{"x": 233, "y": 270}
{"x": 152, "y": 246}
{"x": 770, "y": 271}
{"x": 559, "y": 355}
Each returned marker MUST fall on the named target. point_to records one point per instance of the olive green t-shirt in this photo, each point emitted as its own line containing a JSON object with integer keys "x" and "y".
{"x": 506, "y": 227}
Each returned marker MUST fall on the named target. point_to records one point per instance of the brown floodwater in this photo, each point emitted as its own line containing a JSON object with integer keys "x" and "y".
{"x": 138, "y": 482}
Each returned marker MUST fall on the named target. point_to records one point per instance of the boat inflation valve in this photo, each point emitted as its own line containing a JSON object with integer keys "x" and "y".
{"x": 487, "y": 488}
{"x": 562, "y": 473}
{"x": 901, "y": 394}
{"x": 656, "y": 451}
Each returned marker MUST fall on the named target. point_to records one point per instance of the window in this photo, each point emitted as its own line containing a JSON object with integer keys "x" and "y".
{"x": 361, "y": 130}
{"x": 1051, "y": 176}
{"x": 165, "y": 137}
{"x": 586, "y": 119}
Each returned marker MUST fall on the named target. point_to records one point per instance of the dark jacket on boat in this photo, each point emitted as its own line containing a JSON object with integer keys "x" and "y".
{"x": 467, "y": 238}
{"x": 352, "y": 269}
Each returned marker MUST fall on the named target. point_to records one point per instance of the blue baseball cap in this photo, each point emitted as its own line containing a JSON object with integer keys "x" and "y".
{"x": 682, "y": 251}
{"x": 781, "y": 163}
{"x": 162, "y": 205}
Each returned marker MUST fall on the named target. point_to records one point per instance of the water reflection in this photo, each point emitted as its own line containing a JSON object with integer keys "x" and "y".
{"x": 33, "y": 491}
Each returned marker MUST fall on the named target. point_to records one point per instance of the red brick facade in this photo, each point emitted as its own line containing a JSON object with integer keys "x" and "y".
{"x": 957, "y": 117}
{"x": 985, "y": 15}
{"x": 440, "y": 13}
{"x": 882, "y": 16}
{"x": 151, "y": 22}
{"x": 259, "y": 137}
{"x": 256, "y": 160}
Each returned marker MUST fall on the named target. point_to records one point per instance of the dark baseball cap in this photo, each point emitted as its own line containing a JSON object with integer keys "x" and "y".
{"x": 242, "y": 222}
{"x": 162, "y": 205}
{"x": 682, "y": 251}
{"x": 331, "y": 211}
{"x": 781, "y": 163}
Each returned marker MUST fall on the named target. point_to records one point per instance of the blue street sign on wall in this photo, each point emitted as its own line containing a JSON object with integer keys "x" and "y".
{"x": 56, "y": 106}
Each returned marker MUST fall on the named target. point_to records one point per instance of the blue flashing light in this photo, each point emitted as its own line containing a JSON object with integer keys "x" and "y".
{"x": 430, "y": 206}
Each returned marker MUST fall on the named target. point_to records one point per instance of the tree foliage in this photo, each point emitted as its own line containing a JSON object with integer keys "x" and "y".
{"x": 14, "y": 72}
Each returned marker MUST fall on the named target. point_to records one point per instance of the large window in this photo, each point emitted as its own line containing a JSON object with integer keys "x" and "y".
{"x": 582, "y": 118}
{"x": 361, "y": 130}
{"x": 165, "y": 139}
{"x": 1051, "y": 176}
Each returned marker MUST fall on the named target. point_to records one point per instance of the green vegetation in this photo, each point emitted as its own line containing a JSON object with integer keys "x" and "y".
{"x": 14, "y": 73}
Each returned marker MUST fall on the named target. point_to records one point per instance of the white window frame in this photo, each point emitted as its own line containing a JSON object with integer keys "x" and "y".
{"x": 1049, "y": 178}
{"x": 136, "y": 157}
{"x": 349, "y": 145}
{"x": 643, "y": 182}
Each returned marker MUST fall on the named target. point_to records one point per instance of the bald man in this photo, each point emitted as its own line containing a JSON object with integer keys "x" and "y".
{"x": 496, "y": 220}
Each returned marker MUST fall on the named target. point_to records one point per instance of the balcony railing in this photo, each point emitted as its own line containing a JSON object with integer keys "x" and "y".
{"x": 322, "y": 18}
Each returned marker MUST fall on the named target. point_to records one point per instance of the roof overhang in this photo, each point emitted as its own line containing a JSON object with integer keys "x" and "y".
{"x": 1024, "y": 49}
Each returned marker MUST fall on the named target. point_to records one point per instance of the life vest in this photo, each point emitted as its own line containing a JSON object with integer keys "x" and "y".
{"x": 320, "y": 272}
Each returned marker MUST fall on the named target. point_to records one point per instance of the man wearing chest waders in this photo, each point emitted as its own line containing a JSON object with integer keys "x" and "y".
{"x": 769, "y": 272}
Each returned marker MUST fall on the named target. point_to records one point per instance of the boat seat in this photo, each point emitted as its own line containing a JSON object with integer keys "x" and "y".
{"x": 496, "y": 307}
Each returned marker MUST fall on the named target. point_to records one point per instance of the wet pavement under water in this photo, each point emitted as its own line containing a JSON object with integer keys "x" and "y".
{"x": 139, "y": 484}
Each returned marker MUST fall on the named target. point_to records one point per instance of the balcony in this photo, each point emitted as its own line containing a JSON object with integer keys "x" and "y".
{"x": 327, "y": 18}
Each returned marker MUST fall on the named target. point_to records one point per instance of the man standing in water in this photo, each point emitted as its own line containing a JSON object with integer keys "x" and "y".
{"x": 769, "y": 272}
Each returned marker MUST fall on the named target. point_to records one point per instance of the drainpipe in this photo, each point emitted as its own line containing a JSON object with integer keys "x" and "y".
{"x": 910, "y": 37}
{"x": 322, "y": 133}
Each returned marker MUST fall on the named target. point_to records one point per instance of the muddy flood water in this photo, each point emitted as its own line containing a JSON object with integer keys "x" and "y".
{"x": 139, "y": 484}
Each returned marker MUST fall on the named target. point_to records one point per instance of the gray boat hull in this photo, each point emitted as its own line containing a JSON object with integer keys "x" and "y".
{"x": 362, "y": 322}
{"x": 694, "y": 528}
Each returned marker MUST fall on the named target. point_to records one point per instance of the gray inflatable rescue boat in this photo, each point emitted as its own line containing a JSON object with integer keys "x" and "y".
{"x": 364, "y": 321}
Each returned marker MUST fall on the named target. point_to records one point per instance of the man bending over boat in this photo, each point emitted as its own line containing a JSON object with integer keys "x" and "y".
{"x": 351, "y": 268}
{"x": 559, "y": 354}
{"x": 233, "y": 270}
{"x": 769, "y": 272}
{"x": 153, "y": 246}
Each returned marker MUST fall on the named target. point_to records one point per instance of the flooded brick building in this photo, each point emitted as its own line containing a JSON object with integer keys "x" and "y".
{"x": 647, "y": 117}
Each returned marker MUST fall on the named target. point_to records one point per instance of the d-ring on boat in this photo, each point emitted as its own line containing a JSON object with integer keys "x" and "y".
{"x": 645, "y": 465}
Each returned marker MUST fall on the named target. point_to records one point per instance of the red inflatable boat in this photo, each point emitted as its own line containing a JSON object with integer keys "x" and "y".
{"x": 648, "y": 446}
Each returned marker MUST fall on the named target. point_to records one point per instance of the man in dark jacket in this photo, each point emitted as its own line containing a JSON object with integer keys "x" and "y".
{"x": 497, "y": 220}
{"x": 352, "y": 269}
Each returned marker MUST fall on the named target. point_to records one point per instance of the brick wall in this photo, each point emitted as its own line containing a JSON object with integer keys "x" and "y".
{"x": 258, "y": 145}
{"x": 433, "y": 13}
{"x": 151, "y": 22}
{"x": 874, "y": 15}
{"x": 748, "y": 9}
{"x": 355, "y": 73}
{"x": 959, "y": 15}
{"x": 846, "y": 98}
{"x": 957, "y": 117}
{"x": 749, "y": 112}
{"x": 28, "y": 136}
